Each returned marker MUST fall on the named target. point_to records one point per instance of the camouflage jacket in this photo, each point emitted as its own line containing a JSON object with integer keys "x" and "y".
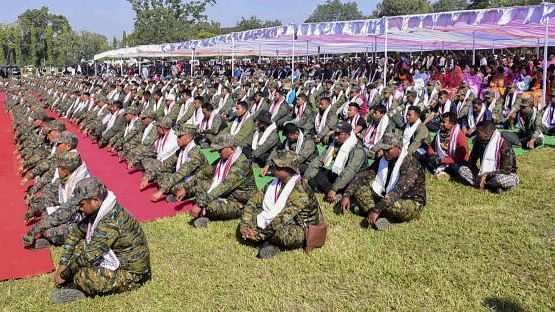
{"x": 301, "y": 208}
{"x": 117, "y": 231}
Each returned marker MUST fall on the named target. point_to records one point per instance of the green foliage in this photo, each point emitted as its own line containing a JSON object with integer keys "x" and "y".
{"x": 115, "y": 43}
{"x": 449, "y": 5}
{"x": 402, "y": 7}
{"x": 160, "y": 21}
{"x": 335, "y": 10}
{"x": 124, "y": 40}
{"x": 40, "y": 38}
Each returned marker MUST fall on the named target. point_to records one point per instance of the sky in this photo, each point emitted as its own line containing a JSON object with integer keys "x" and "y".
{"x": 112, "y": 17}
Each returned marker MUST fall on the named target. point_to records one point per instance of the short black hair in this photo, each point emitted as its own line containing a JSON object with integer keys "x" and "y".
{"x": 415, "y": 109}
{"x": 380, "y": 108}
{"x": 486, "y": 125}
{"x": 452, "y": 117}
{"x": 208, "y": 106}
{"x": 186, "y": 92}
{"x": 477, "y": 101}
{"x": 443, "y": 92}
{"x": 244, "y": 104}
{"x": 199, "y": 98}
{"x": 302, "y": 96}
{"x": 118, "y": 104}
{"x": 290, "y": 127}
{"x": 325, "y": 98}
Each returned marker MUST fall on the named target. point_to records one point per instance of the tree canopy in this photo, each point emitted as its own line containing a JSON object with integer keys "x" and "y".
{"x": 40, "y": 38}
{"x": 335, "y": 10}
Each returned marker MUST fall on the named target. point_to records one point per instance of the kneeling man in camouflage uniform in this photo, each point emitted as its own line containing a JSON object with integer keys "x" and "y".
{"x": 277, "y": 217}
{"x": 106, "y": 252}
{"x": 393, "y": 188}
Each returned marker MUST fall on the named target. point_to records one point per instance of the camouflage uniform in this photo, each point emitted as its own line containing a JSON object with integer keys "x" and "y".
{"x": 117, "y": 231}
{"x": 407, "y": 198}
{"x": 287, "y": 228}
{"x": 227, "y": 200}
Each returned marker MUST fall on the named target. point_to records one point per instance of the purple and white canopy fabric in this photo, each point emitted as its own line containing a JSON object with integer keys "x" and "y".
{"x": 479, "y": 29}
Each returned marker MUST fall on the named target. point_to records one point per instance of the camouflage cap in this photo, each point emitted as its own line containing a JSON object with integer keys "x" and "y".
{"x": 165, "y": 123}
{"x": 388, "y": 90}
{"x": 149, "y": 114}
{"x": 67, "y": 137}
{"x": 56, "y": 125}
{"x": 488, "y": 93}
{"x": 527, "y": 101}
{"x": 70, "y": 160}
{"x": 38, "y": 115}
{"x": 89, "y": 188}
{"x": 100, "y": 98}
{"x": 411, "y": 92}
{"x": 264, "y": 116}
{"x": 286, "y": 159}
{"x": 343, "y": 127}
{"x": 226, "y": 140}
{"x": 389, "y": 140}
{"x": 186, "y": 129}
{"x": 133, "y": 110}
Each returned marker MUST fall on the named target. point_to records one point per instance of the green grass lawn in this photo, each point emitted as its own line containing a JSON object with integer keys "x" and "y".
{"x": 469, "y": 251}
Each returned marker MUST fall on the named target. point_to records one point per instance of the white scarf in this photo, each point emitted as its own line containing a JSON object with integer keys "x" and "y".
{"x": 130, "y": 126}
{"x": 184, "y": 155}
{"x": 354, "y": 121}
{"x": 320, "y": 120}
{"x": 146, "y": 132}
{"x": 472, "y": 122}
{"x": 300, "y": 141}
{"x": 274, "y": 109}
{"x": 222, "y": 169}
{"x": 388, "y": 104}
{"x": 197, "y": 117}
{"x": 508, "y": 105}
{"x": 548, "y": 118}
{"x": 378, "y": 186}
{"x": 342, "y": 155}
{"x": 166, "y": 146}
{"x": 258, "y": 140}
{"x": 491, "y": 106}
{"x": 65, "y": 192}
{"x": 184, "y": 107}
{"x": 445, "y": 109}
{"x": 336, "y": 98}
{"x": 461, "y": 104}
{"x": 374, "y": 134}
{"x": 274, "y": 201}
{"x": 207, "y": 124}
{"x": 236, "y": 125}
{"x": 452, "y": 144}
{"x": 407, "y": 108}
{"x": 222, "y": 101}
{"x": 299, "y": 111}
{"x": 256, "y": 107}
{"x": 491, "y": 158}
{"x": 168, "y": 109}
{"x": 108, "y": 259}
{"x": 521, "y": 122}
{"x": 409, "y": 132}
{"x": 112, "y": 120}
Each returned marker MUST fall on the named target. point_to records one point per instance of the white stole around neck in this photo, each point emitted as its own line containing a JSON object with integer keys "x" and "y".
{"x": 222, "y": 169}
{"x": 378, "y": 186}
{"x": 342, "y": 155}
{"x": 274, "y": 200}
{"x": 492, "y": 154}
{"x": 108, "y": 259}
{"x": 258, "y": 140}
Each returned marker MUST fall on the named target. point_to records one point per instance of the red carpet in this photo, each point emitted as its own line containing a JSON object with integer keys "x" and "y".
{"x": 15, "y": 261}
{"x": 125, "y": 185}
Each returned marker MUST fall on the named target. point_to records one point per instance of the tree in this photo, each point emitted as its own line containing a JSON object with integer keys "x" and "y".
{"x": 124, "y": 40}
{"x": 114, "y": 43}
{"x": 450, "y": 5}
{"x": 254, "y": 22}
{"x": 159, "y": 21}
{"x": 402, "y": 7}
{"x": 335, "y": 10}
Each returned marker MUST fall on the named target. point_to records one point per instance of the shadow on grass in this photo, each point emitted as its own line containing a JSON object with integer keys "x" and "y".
{"x": 502, "y": 305}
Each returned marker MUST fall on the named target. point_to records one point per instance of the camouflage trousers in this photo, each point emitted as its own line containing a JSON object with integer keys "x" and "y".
{"x": 140, "y": 153}
{"x": 95, "y": 281}
{"x": 48, "y": 198}
{"x": 219, "y": 208}
{"x": 289, "y": 236}
{"x": 401, "y": 210}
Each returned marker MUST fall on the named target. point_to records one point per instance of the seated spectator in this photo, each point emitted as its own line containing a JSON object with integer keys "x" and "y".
{"x": 264, "y": 140}
{"x": 241, "y": 126}
{"x": 210, "y": 125}
{"x": 497, "y": 171}
{"x": 106, "y": 252}
{"x": 333, "y": 171}
{"x": 164, "y": 147}
{"x": 415, "y": 133}
{"x": 354, "y": 118}
{"x": 276, "y": 219}
{"x": 221, "y": 193}
{"x": 295, "y": 141}
{"x": 449, "y": 150}
{"x": 476, "y": 114}
{"x": 324, "y": 122}
{"x": 530, "y": 124}
{"x": 392, "y": 189}
{"x": 372, "y": 136}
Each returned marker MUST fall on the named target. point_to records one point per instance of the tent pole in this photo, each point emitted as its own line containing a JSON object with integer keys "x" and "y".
{"x": 96, "y": 70}
{"x": 546, "y": 39}
{"x": 192, "y": 63}
{"x": 293, "y": 59}
{"x": 385, "y": 54}
{"x": 260, "y": 54}
{"x": 538, "y": 49}
{"x": 232, "y": 54}
{"x": 375, "y": 48}
{"x": 307, "y": 52}
{"x": 473, "y": 50}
